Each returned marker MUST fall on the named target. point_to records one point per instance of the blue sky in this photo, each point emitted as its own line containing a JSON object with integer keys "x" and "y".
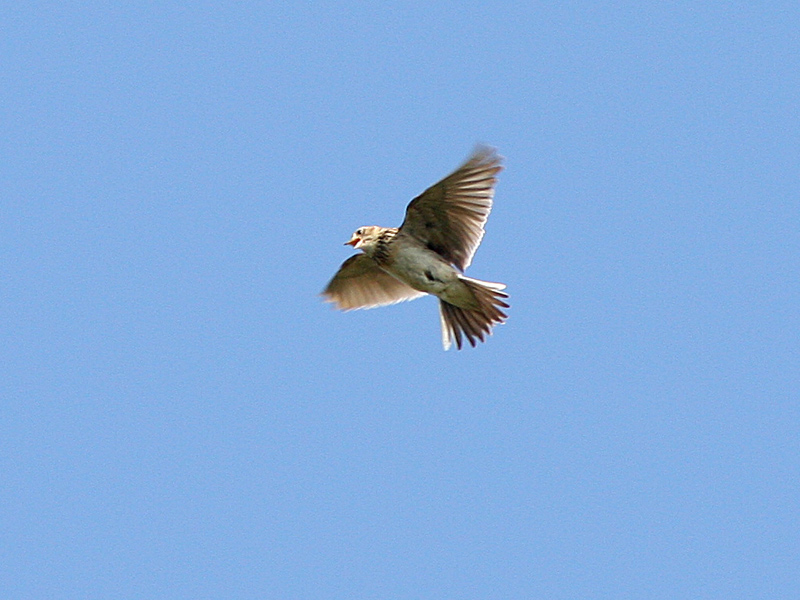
{"x": 182, "y": 417}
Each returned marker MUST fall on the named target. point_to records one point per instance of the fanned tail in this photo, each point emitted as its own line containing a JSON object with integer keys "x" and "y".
{"x": 473, "y": 324}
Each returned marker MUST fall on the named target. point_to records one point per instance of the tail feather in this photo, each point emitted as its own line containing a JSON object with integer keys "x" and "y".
{"x": 473, "y": 324}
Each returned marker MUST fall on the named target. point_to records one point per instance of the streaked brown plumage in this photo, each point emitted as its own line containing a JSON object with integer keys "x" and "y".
{"x": 428, "y": 253}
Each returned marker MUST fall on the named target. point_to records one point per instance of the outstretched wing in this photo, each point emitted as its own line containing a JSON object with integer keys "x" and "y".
{"x": 360, "y": 283}
{"x": 449, "y": 216}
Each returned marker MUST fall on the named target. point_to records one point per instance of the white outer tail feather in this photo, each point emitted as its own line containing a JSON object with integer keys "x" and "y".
{"x": 473, "y": 324}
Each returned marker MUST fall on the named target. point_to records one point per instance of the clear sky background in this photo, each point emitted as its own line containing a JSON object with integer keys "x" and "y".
{"x": 182, "y": 417}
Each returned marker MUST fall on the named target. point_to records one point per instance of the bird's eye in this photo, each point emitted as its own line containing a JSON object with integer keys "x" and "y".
{"x": 360, "y": 232}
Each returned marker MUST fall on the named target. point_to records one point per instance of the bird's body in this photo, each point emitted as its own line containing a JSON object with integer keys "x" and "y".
{"x": 442, "y": 230}
{"x": 420, "y": 268}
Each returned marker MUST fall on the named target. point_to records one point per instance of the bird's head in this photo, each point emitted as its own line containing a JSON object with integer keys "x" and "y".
{"x": 365, "y": 238}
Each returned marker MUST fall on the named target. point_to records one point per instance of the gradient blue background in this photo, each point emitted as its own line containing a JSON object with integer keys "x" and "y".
{"x": 182, "y": 417}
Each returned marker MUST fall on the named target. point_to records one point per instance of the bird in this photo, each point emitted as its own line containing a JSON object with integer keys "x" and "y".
{"x": 429, "y": 253}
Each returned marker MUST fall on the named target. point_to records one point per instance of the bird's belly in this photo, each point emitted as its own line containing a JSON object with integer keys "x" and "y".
{"x": 423, "y": 270}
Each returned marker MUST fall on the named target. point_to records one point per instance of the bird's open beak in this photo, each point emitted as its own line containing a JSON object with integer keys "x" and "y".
{"x": 353, "y": 241}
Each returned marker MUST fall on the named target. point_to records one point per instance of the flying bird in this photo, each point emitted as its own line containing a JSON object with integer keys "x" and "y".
{"x": 428, "y": 254}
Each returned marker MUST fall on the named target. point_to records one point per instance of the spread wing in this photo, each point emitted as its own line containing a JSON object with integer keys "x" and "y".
{"x": 360, "y": 283}
{"x": 449, "y": 216}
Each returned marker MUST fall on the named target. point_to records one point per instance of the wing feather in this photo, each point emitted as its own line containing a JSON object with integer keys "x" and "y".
{"x": 361, "y": 283}
{"x": 449, "y": 216}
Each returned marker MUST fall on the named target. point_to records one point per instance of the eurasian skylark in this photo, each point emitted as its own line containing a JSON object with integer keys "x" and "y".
{"x": 428, "y": 253}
